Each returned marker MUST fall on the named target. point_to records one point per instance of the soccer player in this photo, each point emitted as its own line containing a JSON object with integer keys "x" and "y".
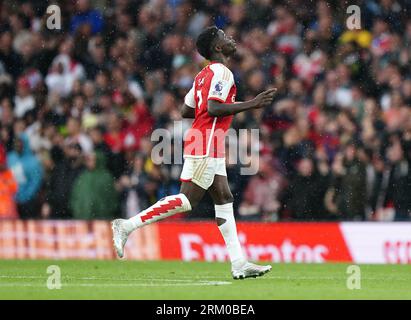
{"x": 211, "y": 102}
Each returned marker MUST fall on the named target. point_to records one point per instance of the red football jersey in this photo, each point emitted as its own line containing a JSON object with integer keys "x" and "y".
{"x": 207, "y": 134}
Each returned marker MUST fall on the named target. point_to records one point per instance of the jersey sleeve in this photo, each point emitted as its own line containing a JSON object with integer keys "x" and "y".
{"x": 221, "y": 83}
{"x": 189, "y": 98}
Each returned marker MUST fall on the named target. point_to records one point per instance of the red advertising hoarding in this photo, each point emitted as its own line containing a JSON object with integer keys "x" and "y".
{"x": 190, "y": 241}
{"x": 277, "y": 242}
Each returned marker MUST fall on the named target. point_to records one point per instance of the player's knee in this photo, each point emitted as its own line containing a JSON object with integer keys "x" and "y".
{"x": 193, "y": 203}
{"x": 230, "y": 199}
{"x": 193, "y": 199}
{"x": 227, "y": 198}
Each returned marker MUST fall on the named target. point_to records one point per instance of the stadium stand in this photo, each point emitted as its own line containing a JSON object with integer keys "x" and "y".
{"x": 78, "y": 105}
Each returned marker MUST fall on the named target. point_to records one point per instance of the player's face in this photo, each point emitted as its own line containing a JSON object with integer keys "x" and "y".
{"x": 226, "y": 44}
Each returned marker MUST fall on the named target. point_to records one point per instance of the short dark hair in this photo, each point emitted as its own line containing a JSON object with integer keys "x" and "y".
{"x": 205, "y": 41}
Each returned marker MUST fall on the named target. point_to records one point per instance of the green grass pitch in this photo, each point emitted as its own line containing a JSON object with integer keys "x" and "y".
{"x": 197, "y": 280}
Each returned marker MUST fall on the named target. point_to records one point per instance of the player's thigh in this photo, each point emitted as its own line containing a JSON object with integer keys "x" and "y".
{"x": 220, "y": 191}
{"x": 193, "y": 192}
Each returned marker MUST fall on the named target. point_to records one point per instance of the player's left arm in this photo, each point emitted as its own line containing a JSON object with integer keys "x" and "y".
{"x": 189, "y": 106}
{"x": 217, "y": 108}
{"x": 220, "y": 88}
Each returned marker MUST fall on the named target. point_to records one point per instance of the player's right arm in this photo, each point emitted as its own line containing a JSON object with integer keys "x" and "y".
{"x": 219, "y": 109}
{"x": 188, "y": 108}
{"x": 187, "y": 112}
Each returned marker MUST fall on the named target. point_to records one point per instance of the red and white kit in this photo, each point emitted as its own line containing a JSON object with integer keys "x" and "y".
{"x": 204, "y": 143}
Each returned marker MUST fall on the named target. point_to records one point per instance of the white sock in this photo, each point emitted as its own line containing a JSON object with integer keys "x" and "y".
{"x": 229, "y": 232}
{"x": 161, "y": 209}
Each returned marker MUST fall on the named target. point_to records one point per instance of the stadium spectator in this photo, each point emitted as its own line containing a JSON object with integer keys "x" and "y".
{"x": 86, "y": 17}
{"x": 8, "y": 189}
{"x": 400, "y": 179}
{"x": 29, "y": 173}
{"x": 23, "y": 101}
{"x": 115, "y": 160}
{"x": 133, "y": 186}
{"x": 93, "y": 195}
{"x": 75, "y": 134}
{"x": 262, "y": 195}
{"x": 60, "y": 183}
{"x": 11, "y": 60}
{"x": 348, "y": 187}
{"x": 64, "y": 70}
{"x": 305, "y": 193}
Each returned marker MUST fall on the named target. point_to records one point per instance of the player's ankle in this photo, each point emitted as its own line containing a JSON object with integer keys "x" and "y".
{"x": 238, "y": 263}
{"x": 129, "y": 225}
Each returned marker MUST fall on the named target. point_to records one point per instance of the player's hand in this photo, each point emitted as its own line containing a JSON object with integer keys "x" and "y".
{"x": 265, "y": 98}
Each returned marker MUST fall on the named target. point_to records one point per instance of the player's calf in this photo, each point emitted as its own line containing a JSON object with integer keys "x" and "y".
{"x": 161, "y": 209}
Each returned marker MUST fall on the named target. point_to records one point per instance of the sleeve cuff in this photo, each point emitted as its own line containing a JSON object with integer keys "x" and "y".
{"x": 188, "y": 105}
{"x": 216, "y": 99}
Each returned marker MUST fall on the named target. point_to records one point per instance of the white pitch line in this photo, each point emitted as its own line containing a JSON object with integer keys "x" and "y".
{"x": 332, "y": 278}
{"x": 148, "y": 284}
{"x": 200, "y": 278}
{"x": 21, "y": 277}
{"x": 68, "y": 278}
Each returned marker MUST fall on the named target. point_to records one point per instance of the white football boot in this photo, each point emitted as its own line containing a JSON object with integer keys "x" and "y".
{"x": 249, "y": 270}
{"x": 120, "y": 236}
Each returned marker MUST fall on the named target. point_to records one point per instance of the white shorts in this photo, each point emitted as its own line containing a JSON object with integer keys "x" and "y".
{"x": 201, "y": 171}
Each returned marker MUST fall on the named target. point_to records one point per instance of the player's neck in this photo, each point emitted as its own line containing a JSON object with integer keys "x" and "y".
{"x": 219, "y": 59}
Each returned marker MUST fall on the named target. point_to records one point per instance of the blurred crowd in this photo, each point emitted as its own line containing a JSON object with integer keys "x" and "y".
{"x": 78, "y": 105}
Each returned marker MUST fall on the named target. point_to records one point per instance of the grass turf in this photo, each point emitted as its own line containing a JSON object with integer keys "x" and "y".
{"x": 26, "y": 279}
